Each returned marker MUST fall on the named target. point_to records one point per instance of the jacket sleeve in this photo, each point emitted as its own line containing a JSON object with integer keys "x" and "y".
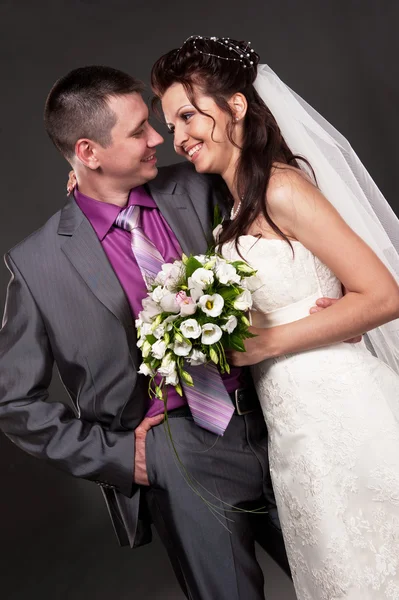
{"x": 50, "y": 430}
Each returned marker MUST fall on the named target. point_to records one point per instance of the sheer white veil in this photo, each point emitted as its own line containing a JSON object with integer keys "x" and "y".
{"x": 344, "y": 181}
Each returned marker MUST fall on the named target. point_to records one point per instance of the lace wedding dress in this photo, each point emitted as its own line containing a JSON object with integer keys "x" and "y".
{"x": 333, "y": 440}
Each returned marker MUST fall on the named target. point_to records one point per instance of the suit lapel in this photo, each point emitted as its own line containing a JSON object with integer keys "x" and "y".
{"x": 179, "y": 212}
{"x": 86, "y": 254}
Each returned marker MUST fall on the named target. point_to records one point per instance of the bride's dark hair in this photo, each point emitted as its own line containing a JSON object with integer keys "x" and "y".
{"x": 221, "y": 67}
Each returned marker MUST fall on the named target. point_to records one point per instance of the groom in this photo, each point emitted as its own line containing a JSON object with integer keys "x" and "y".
{"x": 75, "y": 291}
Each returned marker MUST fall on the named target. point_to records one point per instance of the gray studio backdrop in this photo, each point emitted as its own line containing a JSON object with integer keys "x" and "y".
{"x": 341, "y": 55}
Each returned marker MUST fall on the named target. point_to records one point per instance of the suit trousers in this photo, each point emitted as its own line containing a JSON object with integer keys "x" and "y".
{"x": 213, "y": 553}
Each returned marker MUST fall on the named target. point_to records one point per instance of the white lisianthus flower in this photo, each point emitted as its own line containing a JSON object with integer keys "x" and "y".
{"x": 211, "y": 305}
{"x": 150, "y": 310}
{"x": 168, "y": 366}
{"x": 145, "y": 329}
{"x": 190, "y": 329}
{"x": 187, "y": 309}
{"x": 182, "y": 348}
{"x": 169, "y": 320}
{"x": 158, "y": 349}
{"x": 197, "y": 358}
{"x": 159, "y": 293}
{"x": 145, "y": 370}
{"x": 169, "y": 275}
{"x": 201, "y": 258}
{"x": 243, "y": 301}
{"x": 172, "y": 379}
{"x": 211, "y": 333}
{"x": 196, "y": 290}
{"x": 227, "y": 274}
{"x": 138, "y": 322}
{"x": 186, "y": 303}
{"x": 202, "y": 277}
{"x": 230, "y": 324}
{"x": 169, "y": 303}
{"x": 159, "y": 331}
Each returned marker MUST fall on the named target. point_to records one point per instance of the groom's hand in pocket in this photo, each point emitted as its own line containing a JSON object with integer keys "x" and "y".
{"x": 323, "y": 303}
{"x": 140, "y": 465}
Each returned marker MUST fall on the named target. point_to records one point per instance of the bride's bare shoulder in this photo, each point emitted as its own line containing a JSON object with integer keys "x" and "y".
{"x": 285, "y": 182}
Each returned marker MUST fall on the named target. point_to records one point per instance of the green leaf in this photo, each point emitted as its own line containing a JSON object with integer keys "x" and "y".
{"x": 228, "y": 293}
{"x": 192, "y": 265}
{"x": 217, "y": 216}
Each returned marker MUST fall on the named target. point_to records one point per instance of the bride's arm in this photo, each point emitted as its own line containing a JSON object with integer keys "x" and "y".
{"x": 372, "y": 297}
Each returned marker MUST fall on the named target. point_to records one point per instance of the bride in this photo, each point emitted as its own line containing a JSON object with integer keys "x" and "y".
{"x": 304, "y": 215}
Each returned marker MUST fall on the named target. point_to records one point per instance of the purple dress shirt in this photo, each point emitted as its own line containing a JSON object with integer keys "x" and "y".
{"x": 116, "y": 244}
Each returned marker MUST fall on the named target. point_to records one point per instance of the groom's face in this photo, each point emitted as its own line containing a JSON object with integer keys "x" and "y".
{"x": 131, "y": 157}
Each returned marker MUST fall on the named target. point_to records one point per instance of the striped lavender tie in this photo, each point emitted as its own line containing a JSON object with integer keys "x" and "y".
{"x": 208, "y": 400}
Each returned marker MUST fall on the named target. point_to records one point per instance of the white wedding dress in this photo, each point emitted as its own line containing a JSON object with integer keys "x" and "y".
{"x": 333, "y": 439}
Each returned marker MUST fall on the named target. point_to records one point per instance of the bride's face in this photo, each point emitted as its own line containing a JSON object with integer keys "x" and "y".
{"x": 199, "y": 138}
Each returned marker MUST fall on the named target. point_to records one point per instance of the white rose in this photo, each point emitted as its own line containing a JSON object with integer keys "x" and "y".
{"x": 211, "y": 305}
{"x": 190, "y": 329}
{"x": 159, "y": 293}
{"x": 202, "y": 277}
{"x": 145, "y": 370}
{"x": 197, "y": 358}
{"x": 182, "y": 348}
{"x": 211, "y": 334}
{"x": 230, "y": 324}
{"x": 243, "y": 301}
{"x": 158, "y": 349}
{"x": 227, "y": 274}
{"x": 169, "y": 304}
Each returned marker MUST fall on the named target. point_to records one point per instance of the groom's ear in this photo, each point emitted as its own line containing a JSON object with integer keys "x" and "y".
{"x": 238, "y": 104}
{"x": 85, "y": 151}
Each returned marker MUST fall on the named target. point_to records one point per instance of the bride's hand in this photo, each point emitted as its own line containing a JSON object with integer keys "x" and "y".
{"x": 255, "y": 350}
{"x": 323, "y": 303}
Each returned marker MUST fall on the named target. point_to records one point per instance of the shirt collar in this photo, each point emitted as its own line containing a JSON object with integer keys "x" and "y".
{"x": 102, "y": 215}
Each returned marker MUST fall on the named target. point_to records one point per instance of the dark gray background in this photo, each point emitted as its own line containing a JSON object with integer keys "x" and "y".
{"x": 340, "y": 55}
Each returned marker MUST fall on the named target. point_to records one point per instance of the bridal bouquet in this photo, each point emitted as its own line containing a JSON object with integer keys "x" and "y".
{"x": 195, "y": 310}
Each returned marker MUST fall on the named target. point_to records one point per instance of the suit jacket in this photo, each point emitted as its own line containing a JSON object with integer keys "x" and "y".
{"x": 65, "y": 305}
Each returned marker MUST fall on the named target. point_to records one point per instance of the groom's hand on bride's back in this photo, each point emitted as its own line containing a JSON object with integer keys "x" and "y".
{"x": 323, "y": 303}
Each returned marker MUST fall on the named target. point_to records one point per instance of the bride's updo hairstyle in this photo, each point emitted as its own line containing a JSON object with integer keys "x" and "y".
{"x": 220, "y": 68}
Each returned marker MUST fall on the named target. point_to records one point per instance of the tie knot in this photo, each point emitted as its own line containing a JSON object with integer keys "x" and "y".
{"x": 128, "y": 218}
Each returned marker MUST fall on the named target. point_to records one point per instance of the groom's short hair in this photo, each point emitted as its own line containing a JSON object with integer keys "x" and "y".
{"x": 77, "y": 106}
